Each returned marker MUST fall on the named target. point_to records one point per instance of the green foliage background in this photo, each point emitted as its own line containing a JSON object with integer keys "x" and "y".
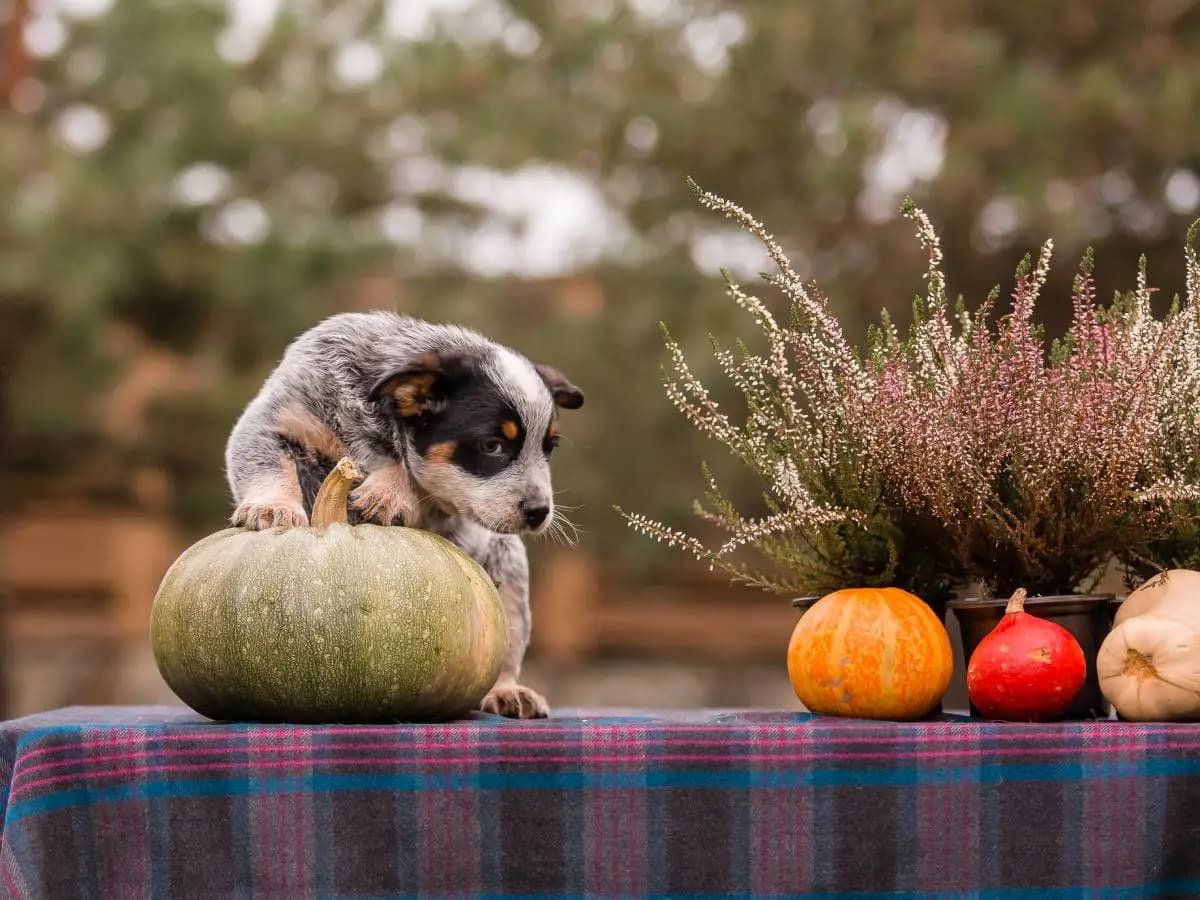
{"x": 1066, "y": 124}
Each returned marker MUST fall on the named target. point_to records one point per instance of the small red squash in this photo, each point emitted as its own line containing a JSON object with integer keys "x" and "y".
{"x": 872, "y": 653}
{"x": 1026, "y": 669}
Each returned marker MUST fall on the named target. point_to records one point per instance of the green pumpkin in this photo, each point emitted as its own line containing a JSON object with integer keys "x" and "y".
{"x": 329, "y": 623}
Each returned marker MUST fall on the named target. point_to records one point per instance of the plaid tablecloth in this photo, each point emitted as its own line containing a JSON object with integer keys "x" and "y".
{"x": 155, "y": 802}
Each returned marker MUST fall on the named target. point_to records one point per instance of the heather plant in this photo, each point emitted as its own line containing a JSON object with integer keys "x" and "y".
{"x": 1177, "y": 543}
{"x": 1038, "y": 463}
{"x": 969, "y": 449}
{"x": 828, "y": 520}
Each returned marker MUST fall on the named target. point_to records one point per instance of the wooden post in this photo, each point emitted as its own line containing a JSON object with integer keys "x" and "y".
{"x": 565, "y": 603}
{"x": 11, "y": 72}
{"x": 14, "y": 67}
{"x": 16, "y": 64}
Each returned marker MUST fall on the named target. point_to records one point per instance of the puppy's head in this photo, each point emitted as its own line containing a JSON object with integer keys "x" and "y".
{"x": 483, "y": 425}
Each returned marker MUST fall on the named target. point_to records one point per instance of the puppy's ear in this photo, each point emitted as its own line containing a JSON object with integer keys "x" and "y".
{"x": 565, "y": 394}
{"x": 422, "y": 386}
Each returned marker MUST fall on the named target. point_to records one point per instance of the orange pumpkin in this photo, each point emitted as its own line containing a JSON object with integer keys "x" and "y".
{"x": 871, "y": 653}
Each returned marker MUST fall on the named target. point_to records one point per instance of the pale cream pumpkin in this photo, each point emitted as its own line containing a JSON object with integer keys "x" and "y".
{"x": 1178, "y": 587}
{"x": 1150, "y": 669}
{"x": 1149, "y": 665}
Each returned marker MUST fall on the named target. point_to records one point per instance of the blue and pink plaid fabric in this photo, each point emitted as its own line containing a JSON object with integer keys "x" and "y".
{"x": 155, "y": 802}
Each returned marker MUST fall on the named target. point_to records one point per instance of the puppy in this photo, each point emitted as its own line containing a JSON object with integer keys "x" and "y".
{"x": 453, "y": 431}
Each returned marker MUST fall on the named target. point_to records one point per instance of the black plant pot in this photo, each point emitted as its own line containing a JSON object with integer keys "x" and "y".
{"x": 1088, "y": 617}
{"x": 803, "y": 603}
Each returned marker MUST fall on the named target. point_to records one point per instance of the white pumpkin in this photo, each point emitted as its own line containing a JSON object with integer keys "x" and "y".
{"x": 1149, "y": 670}
{"x": 1149, "y": 665}
{"x": 1179, "y": 587}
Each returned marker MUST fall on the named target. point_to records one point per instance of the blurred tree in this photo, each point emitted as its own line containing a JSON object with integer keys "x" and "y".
{"x": 189, "y": 185}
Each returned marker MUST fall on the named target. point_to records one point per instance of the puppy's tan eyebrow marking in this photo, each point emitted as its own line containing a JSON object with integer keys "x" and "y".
{"x": 441, "y": 453}
{"x": 297, "y": 424}
{"x": 510, "y": 429}
{"x": 552, "y": 431}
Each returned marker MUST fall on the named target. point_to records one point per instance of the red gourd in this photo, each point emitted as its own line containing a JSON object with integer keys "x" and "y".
{"x": 1026, "y": 669}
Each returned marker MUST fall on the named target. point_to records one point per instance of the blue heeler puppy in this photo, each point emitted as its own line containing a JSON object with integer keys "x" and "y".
{"x": 453, "y": 431}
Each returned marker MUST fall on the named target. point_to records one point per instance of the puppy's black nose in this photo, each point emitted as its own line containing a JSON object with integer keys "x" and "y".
{"x": 536, "y": 515}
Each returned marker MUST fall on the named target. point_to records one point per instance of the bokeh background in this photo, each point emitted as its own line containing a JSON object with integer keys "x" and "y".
{"x": 185, "y": 186}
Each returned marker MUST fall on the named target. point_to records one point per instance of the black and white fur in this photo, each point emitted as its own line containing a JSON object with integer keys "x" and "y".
{"x": 453, "y": 431}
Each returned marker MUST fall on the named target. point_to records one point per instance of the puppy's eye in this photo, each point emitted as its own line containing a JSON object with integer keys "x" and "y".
{"x": 491, "y": 447}
{"x": 549, "y": 444}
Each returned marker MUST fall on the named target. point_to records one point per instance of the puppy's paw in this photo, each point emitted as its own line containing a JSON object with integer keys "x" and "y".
{"x": 515, "y": 701}
{"x": 385, "y": 498}
{"x": 259, "y": 516}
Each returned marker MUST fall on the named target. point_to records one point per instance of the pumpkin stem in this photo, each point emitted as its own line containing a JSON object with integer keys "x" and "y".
{"x": 330, "y": 505}
{"x": 1016, "y": 603}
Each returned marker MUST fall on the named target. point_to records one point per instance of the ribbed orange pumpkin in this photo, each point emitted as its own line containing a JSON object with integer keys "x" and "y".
{"x": 871, "y": 653}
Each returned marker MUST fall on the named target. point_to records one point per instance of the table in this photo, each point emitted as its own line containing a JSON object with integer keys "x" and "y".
{"x": 157, "y": 802}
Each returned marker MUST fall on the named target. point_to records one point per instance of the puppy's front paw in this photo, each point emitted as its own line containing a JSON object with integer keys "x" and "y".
{"x": 515, "y": 701}
{"x": 262, "y": 516}
{"x": 385, "y": 500}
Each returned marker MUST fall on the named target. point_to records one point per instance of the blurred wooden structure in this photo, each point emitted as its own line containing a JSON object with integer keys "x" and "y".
{"x": 83, "y": 578}
{"x": 577, "y": 616}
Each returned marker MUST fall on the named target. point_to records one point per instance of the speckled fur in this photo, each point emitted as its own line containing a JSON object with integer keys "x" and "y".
{"x": 318, "y": 398}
